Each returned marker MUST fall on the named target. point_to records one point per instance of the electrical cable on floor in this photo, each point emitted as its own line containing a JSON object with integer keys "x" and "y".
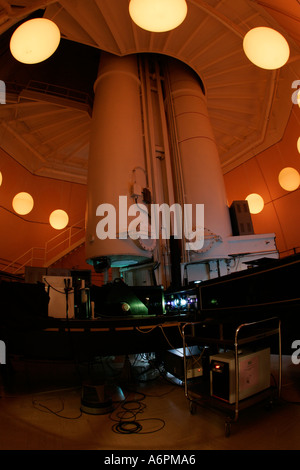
{"x": 126, "y": 419}
{"x": 45, "y": 409}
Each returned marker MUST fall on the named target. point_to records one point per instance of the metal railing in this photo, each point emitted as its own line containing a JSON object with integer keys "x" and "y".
{"x": 64, "y": 242}
{"x": 54, "y": 249}
{"x": 53, "y": 90}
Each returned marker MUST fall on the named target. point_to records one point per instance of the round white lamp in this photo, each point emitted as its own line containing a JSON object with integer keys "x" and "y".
{"x": 1, "y": 179}
{"x": 22, "y": 203}
{"x": 35, "y": 41}
{"x": 58, "y": 219}
{"x": 289, "y": 179}
{"x": 158, "y": 15}
{"x": 298, "y": 144}
{"x": 266, "y": 48}
{"x": 255, "y": 203}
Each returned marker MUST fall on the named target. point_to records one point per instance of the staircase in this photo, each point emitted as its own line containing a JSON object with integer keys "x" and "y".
{"x": 55, "y": 248}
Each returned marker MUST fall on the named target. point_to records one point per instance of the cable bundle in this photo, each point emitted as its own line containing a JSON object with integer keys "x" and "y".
{"x": 126, "y": 419}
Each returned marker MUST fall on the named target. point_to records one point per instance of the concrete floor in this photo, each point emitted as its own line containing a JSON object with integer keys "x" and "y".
{"x": 40, "y": 409}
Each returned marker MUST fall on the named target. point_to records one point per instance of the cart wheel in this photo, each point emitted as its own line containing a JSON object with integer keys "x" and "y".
{"x": 192, "y": 408}
{"x": 227, "y": 428}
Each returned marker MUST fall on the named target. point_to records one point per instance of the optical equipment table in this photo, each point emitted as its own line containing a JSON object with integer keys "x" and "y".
{"x": 84, "y": 339}
{"x": 256, "y": 335}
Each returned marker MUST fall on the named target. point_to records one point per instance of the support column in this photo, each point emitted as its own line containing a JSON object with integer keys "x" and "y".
{"x": 201, "y": 174}
{"x": 116, "y": 160}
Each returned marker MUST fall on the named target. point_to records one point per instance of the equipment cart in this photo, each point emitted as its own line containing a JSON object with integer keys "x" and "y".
{"x": 237, "y": 372}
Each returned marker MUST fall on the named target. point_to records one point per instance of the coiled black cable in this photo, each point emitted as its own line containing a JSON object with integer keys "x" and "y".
{"x": 126, "y": 419}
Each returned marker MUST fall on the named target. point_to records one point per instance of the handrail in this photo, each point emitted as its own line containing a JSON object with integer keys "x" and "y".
{"x": 53, "y": 90}
{"x": 67, "y": 241}
{"x": 54, "y": 247}
{"x": 28, "y": 255}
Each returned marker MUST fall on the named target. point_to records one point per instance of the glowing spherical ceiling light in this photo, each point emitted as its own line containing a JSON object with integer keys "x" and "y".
{"x": 59, "y": 219}
{"x": 289, "y": 179}
{"x": 35, "y": 41}
{"x": 255, "y": 203}
{"x": 158, "y": 15}
{"x": 266, "y": 48}
{"x": 1, "y": 179}
{"x": 22, "y": 203}
{"x": 298, "y": 144}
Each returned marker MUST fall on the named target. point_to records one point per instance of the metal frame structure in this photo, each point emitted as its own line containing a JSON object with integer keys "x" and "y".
{"x": 262, "y": 331}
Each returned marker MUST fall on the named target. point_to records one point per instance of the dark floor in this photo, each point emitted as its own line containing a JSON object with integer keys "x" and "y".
{"x": 40, "y": 409}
